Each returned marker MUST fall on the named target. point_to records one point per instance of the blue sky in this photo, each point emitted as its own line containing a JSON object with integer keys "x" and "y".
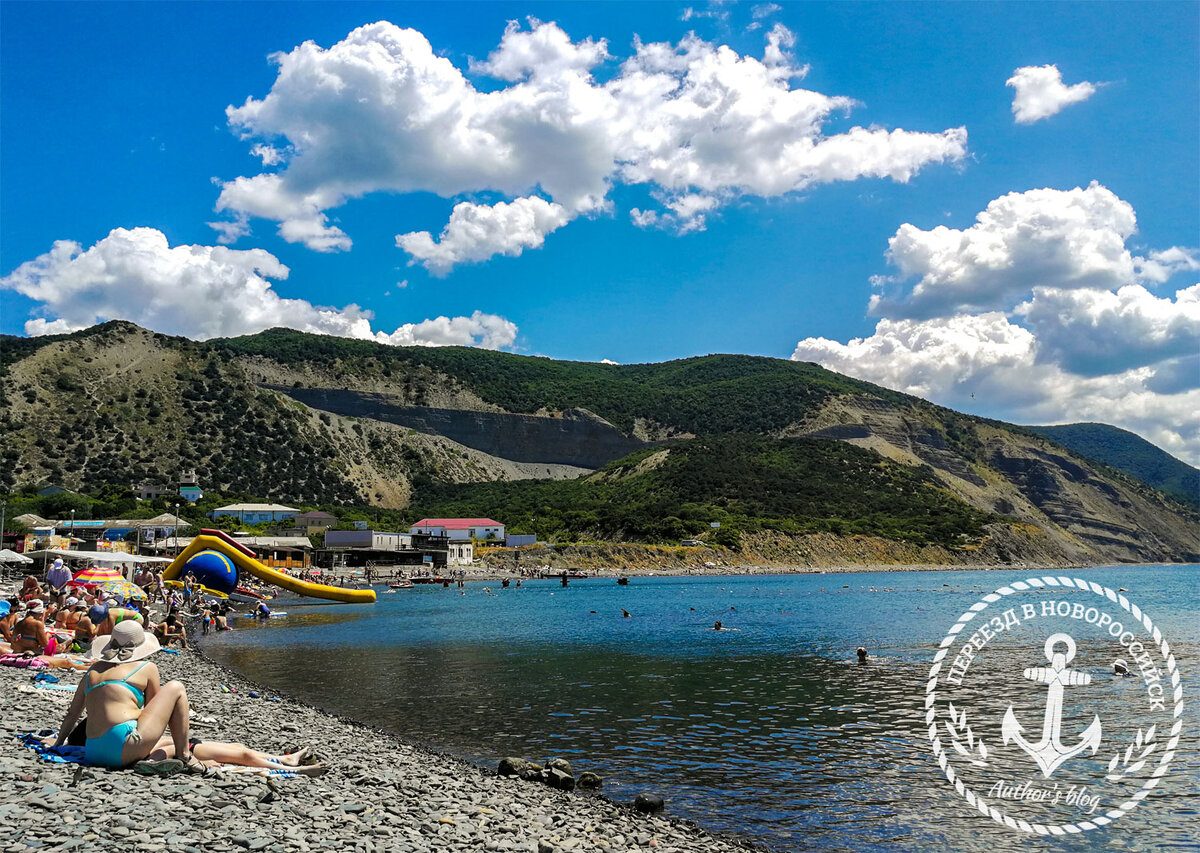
{"x": 654, "y": 227}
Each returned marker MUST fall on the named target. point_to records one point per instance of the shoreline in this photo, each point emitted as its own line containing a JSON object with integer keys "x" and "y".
{"x": 383, "y": 792}
{"x": 494, "y": 574}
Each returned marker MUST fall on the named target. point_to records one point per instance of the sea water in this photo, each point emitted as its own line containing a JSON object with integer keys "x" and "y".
{"x": 772, "y": 730}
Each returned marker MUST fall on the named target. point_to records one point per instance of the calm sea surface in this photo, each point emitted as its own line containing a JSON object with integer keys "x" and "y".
{"x": 771, "y": 731}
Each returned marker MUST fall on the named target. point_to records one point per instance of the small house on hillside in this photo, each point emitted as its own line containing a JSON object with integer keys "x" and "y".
{"x": 151, "y": 491}
{"x": 188, "y": 489}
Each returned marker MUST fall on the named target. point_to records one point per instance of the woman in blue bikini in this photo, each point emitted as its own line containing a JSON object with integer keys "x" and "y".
{"x": 130, "y": 716}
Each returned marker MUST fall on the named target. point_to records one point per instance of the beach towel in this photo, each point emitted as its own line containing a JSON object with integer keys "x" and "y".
{"x": 22, "y": 661}
{"x": 55, "y": 754}
{"x": 58, "y": 693}
{"x": 74, "y": 755}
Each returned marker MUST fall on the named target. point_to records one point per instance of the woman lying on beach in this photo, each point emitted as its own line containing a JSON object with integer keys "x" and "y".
{"x": 131, "y": 717}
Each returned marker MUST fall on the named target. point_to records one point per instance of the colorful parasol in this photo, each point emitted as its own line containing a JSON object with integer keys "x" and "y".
{"x": 125, "y": 589}
{"x": 97, "y": 575}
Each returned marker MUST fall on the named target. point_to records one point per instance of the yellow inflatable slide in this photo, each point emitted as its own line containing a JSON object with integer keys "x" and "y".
{"x": 217, "y": 560}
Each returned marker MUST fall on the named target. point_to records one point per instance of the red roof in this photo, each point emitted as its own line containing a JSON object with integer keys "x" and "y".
{"x": 457, "y": 523}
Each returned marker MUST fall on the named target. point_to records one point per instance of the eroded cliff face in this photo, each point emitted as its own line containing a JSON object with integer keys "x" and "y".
{"x": 575, "y": 437}
{"x": 1087, "y": 514}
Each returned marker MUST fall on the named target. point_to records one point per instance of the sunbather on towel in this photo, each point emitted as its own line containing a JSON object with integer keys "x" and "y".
{"x": 131, "y": 716}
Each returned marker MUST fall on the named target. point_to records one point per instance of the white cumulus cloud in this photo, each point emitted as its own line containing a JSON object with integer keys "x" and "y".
{"x": 476, "y": 232}
{"x": 482, "y": 330}
{"x": 1096, "y": 332}
{"x": 204, "y": 292}
{"x": 1045, "y": 237}
{"x": 381, "y": 111}
{"x": 1038, "y": 313}
{"x": 1039, "y": 92}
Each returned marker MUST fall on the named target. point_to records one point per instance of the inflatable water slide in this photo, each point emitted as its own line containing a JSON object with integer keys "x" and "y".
{"x": 218, "y": 560}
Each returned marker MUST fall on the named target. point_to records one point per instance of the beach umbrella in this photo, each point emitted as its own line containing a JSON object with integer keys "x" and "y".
{"x": 97, "y": 575}
{"x": 125, "y": 589}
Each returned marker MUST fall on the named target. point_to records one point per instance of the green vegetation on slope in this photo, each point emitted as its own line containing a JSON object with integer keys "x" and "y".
{"x": 1131, "y": 454}
{"x": 743, "y": 482}
{"x": 704, "y": 395}
{"x": 86, "y": 426}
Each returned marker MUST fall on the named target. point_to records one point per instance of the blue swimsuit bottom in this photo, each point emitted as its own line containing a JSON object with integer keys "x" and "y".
{"x": 105, "y": 750}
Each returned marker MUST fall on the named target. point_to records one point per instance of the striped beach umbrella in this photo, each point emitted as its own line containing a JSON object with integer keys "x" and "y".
{"x": 97, "y": 575}
{"x": 125, "y": 589}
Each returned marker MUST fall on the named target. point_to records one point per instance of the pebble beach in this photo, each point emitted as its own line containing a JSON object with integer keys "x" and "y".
{"x": 381, "y": 793}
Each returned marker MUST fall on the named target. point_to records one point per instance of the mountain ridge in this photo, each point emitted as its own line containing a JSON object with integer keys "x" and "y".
{"x": 253, "y": 415}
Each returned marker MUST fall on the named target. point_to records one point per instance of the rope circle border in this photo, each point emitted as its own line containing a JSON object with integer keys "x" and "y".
{"x": 943, "y": 757}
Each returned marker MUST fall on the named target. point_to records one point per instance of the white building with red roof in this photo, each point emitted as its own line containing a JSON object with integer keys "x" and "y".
{"x": 460, "y": 529}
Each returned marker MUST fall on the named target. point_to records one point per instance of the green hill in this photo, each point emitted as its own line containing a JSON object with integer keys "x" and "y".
{"x": 745, "y": 483}
{"x": 754, "y": 444}
{"x": 1131, "y": 454}
{"x": 702, "y": 395}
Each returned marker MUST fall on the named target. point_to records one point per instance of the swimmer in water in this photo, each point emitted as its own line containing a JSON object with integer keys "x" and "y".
{"x": 862, "y": 654}
{"x": 717, "y": 626}
{"x": 1120, "y": 668}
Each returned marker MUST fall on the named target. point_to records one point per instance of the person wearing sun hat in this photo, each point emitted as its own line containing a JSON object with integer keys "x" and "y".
{"x": 58, "y": 577}
{"x": 127, "y": 642}
{"x": 123, "y": 699}
{"x": 29, "y": 633}
{"x": 131, "y": 716}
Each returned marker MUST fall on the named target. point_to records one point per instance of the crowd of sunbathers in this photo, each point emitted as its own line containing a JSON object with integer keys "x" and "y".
{"x": 121, "y": 714}
{"x": 44, "y": 624}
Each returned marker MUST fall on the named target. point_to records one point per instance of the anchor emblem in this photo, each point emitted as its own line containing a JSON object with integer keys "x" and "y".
{"x": 1049, "y": 752}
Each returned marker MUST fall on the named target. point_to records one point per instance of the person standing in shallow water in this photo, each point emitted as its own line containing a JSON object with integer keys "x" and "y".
{"x": 862, "y": 654}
